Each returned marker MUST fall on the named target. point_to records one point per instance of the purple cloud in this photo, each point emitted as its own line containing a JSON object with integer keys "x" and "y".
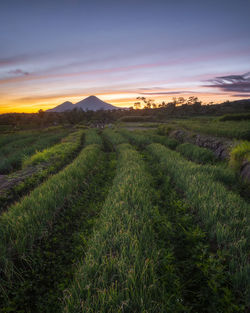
{"x": 18, "y": 72}
{"x": 247, "y": 95}
{"x": 233, "y": 83}
{"x": 167, "y": 93}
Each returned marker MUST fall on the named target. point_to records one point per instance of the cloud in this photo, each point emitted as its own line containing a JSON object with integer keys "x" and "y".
{"x": 152, "y": 88}
{"x": 232, "y": 83}
{"x": 13, "y": 60}
{"x": 241, "y": 95}
{"x": 168, "y": 93}
{"x": 18, "y": 72}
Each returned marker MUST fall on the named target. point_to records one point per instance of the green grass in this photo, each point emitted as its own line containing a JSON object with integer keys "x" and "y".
{"x": 203, "y": 275}
{"x": 144, "y": 138}
{"x": 240, "y": 154}
{"x": 44, "y": 163}
{"x": 120, "y": 272}
{"x": 8, "y": 138}
{"x": 196, "y": 154}
{"x": 53, "y": 258}
{"x": 13, "y": 154}
{"x": 137, "y": 138}
{"x": 57, "y": 153}
{"x": 229, "y": 129}
{"x": 113, "y": 137}
{"x": 92, "y": 137}
{"x": 27, "y": 220}
{"x": 234, "y": 117}
{"x": 224, "y": 214}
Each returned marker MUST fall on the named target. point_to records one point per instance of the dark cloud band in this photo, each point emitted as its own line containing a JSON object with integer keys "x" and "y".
{"x": 232, "y": 83}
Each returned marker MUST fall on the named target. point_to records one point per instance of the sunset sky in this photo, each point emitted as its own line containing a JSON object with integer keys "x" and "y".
{"x": 56, "y": 51}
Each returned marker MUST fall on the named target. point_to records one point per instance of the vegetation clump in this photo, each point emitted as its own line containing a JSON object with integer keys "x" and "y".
{"x": 195, "y": 153}
{"x": 240, "y": 154}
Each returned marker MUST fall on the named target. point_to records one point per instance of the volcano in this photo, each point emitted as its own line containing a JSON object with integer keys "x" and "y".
{"x": 91, "y": 103}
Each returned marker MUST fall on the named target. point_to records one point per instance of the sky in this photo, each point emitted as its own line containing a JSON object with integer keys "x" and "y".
{"x": 66, "y": 50}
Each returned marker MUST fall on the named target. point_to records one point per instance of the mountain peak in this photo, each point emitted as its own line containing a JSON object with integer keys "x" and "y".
{"x": 92, "y": 103}
{"x": 92, "y": 97}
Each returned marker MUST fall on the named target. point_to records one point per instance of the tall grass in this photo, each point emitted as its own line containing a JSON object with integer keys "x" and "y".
{"x": 121, "y": 267}
{"x": 8, "y": 138}
{"x": 234, "y": 117}
{"x": 28, "y": 220}
{"x": 196, "y": 154}
{"x": 60, "y": 152}
{"x": 240, "y": 154}
{"x": 12, "y": 154}
{"x": 92, "y": 137}
{"x": 204, "y": 278}
{"x": 52, "y": 258}
{"x": 229, "y": 129}
{"x": 144, "y": 138}
{"x": 114, "y": 138}
{"x": 224, "y": 214}
{"x": 137, "y": 138}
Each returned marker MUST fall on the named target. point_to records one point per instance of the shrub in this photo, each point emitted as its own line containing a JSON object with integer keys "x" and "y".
{"x": 239, "y": 154}
{"x": 164, "y": 130}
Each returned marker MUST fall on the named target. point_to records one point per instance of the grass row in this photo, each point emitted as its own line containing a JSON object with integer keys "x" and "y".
{"x": 13, "y": 154}
{"x": 57, "y": 153}
{"x": 196, "y": 154}
{"x": 47, "y": 162}
{"x": 224, "y": 214}
{"x": 202, "y": 273}
{"x": 234, "y": 117}
{"x": 142, "y": 138}
{"x": 28, "y": 220}
{"x": 190, "y": 151}
{"x": 220, "y": 172}
{"x": 122, "y": 269}
{"x": 92, "y": 137}
{"x": 9, "y": 138}
{"x": 53, "y": 259}
{"x": 114, "y": 138}
{"x": 229, "y": 129}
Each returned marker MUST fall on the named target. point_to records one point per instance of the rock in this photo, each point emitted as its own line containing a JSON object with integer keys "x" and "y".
{"x": 220, "y": 146}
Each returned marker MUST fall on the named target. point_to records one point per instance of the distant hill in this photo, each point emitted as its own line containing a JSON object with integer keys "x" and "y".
{"x": 91, "y": 103}
{"x": 65, "y": 106}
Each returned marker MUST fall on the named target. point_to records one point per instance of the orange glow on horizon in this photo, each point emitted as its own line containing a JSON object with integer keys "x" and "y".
{"x": 119, "y": 99}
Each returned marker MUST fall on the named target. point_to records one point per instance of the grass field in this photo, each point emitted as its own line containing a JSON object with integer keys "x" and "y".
{"x": 234, "y": 129}
{"x": 17, "y": 148}
{"x": 126, "y": 221}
